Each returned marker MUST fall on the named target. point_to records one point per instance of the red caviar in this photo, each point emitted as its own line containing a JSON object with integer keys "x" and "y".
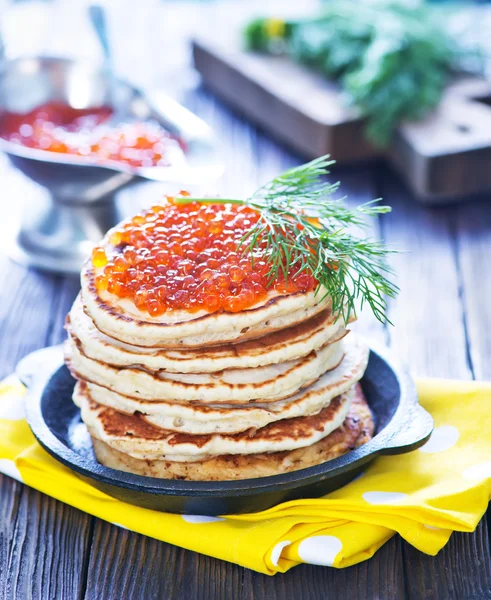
{"x": 187, "y": 256}
{"x": 57, "y": 127}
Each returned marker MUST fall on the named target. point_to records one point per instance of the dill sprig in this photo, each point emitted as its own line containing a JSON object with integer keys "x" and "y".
{"x": 304, "y": 229}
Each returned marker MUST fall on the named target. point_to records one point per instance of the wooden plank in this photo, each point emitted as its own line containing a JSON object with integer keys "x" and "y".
{"x": 473, "y": 238}
{"x": 48, "y": 549}
{"x": 442, "y": 156}
{"x": 27, "y": 296}
{"x": 447, "y": 154}
{"x": 238, "y": 143}
{"x": 10, "y": 496}
{"x": 43, "y": 543}
{"x": 124, "y": 564}
{"x": 299, "y": 108}
{"x": 460, "y": 571}
{"x": 381, "y": 577}
{"x": 473, "y": 229}
{"x": 428, "y": 309}
{"x": 429, "y": 335}
{"x": 68, "y": 288}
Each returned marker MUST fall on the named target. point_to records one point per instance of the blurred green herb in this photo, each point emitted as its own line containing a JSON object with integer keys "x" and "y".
{"x": 391, "y": 58}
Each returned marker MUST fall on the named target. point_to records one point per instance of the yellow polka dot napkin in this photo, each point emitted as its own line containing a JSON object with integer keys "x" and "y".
{"x": 424, "y": 495}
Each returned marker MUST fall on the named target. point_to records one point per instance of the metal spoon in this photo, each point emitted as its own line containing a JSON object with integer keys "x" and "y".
{"x": 97, "y": 16}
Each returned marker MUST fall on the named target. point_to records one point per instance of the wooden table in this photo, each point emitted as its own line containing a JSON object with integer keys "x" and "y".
{"x": 442, "y": 321}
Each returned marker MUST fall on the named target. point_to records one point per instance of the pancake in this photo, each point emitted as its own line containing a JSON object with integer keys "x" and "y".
{"x": 265, "y": 383}
{"x": 121, "y": 320}
{"x": 356, "y": 430}
{"x": 288, "y": 344}
{"x": 133, "y": 435}
{"x": 231, "y": 386}
{"x": 196, "y": 418}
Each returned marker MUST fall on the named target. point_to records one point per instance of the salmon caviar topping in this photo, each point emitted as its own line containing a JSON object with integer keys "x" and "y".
{"x": 189, "y": 257}
{"x": 57, "y": 127}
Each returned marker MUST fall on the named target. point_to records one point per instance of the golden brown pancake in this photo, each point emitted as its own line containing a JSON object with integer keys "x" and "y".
{"x": 121, "y": 320}
{"x": 231, "y": 386}
{"x": 133, "y": 435}
{"x": 197, "y": 417}
{"x": 356, "y": 430}
{"x": 287, "y": 344}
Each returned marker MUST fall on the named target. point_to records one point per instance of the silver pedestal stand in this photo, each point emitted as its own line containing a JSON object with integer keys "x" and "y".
{"x": 58, "y": 237}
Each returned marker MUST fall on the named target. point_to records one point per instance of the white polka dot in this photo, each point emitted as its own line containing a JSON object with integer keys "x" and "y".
{"x": 320, "y": 550}
{"x": 12, "y": 409}
{"x": 441, "y": 439}
{"x": 200, "y": 519}
{"x": 383, "y": 497}
{"x": 432, "y": 528}
{"x": 480, "y": 471}
{"x": 9, "y": 468}
{"x": 276, "y": 551}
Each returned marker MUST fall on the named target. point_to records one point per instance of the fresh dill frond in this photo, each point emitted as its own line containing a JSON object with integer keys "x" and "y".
{"x": 392, "y": 59}
{"x": 303, "y": 228}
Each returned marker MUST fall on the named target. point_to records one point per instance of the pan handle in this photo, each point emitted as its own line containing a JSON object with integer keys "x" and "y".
{"x": 412, "y": 434}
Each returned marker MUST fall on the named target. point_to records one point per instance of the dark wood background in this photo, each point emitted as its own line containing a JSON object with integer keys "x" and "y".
{"x": 442, "y": 321}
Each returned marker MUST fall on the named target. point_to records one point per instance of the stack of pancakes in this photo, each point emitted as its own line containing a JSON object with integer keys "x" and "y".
{"x": 216, "y": 396}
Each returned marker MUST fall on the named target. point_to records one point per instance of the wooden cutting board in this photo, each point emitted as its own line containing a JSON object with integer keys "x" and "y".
{"x": 443, "y": 157}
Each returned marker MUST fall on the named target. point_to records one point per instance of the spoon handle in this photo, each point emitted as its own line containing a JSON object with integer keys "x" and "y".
{"x": 99, "y": 22}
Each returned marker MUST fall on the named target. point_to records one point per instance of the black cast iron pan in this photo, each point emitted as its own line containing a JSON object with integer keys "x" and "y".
{"x": 401, "y": 424}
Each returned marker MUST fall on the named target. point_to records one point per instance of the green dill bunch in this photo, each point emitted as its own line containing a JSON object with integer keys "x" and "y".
{"x": 392, "y": 59}
{"x": 302, "y": 228}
